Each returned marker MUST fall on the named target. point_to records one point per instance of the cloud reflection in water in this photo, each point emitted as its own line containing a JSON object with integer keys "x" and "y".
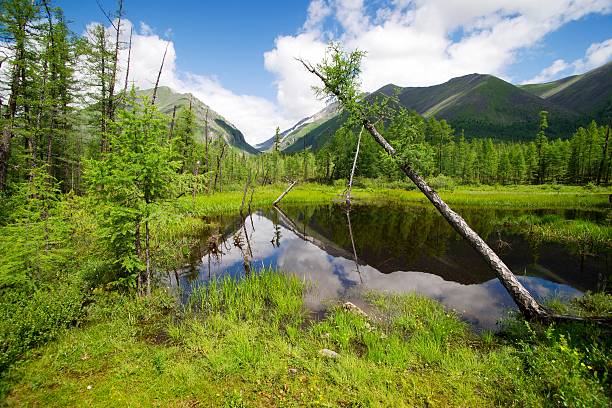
{"x": 336, "y": 277}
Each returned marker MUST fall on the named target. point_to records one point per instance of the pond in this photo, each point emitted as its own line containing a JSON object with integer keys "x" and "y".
{"x": 396, "y": 249}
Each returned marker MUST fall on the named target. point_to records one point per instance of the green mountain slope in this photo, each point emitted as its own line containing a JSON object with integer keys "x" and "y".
{"x": 487, "y": 106}
{"x": 218, "y": 126}
{"x": 590, "y": 95}
{"x": 312, "y": 126}
{"x": 548, "y": 89}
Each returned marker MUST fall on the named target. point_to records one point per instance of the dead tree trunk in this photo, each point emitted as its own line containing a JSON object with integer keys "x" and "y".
{"x": 9, "y": 117}
{"x": 206, "y": 158}
{"x": 196, "y": 170}
{"x": 172, "y": 123}
{"x": 217, "y": 173}
{"x": 127, "y": 69}
{"x": 161, "y": 68}
{"x": 103, "y": 140}
{"x": 350, "y": 228}
{"x": 528, "y": 306}
{"x": 350, "y": 185}
{"x": 280, "y": 197}
{"x": 111, "y": 85}
{"x": 246, "y": 189}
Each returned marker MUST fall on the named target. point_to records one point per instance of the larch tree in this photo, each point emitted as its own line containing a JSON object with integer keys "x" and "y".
{"x": 130, "y": 178}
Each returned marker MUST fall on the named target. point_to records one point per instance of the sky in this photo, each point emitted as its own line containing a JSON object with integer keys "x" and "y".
{"x": 239, "y": 56}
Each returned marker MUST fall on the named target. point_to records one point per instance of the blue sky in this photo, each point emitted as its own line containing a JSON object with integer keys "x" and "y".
{"x": 238, "y": 56}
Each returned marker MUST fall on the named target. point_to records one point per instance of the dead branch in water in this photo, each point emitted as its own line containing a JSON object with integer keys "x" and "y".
{"x": 280, "y": 197}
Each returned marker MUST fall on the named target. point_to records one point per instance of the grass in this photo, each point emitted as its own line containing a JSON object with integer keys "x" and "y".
{"x": 252, "y": 344}
{"x": 235, "y": 343}
{"x": 584, "y": 236}
{"x": 541, "y": 197}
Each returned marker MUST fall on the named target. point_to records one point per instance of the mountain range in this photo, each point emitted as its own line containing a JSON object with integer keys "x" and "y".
{"x": 218, "y": 126}
{"x": 482, "y": 105}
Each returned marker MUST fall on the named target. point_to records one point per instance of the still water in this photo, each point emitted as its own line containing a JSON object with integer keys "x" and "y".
{"x": 396, "y": 249}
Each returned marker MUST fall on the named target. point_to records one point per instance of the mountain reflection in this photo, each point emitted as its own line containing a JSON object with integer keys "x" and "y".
{"x": 398, "y": 250}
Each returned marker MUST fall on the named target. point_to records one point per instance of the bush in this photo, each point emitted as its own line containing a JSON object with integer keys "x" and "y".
{"x": 442, "y": 182}
{"x": 27, "y": 321}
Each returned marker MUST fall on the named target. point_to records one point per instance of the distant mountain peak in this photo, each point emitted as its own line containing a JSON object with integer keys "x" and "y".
{"x": 487, "y": 106}
{"x": 218, "y": 126}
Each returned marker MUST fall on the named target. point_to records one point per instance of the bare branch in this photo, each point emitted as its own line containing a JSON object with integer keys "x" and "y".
{"x": 106, "y": 14}
{"x": 127, "y": 71}
{"x": 159, "y": 75}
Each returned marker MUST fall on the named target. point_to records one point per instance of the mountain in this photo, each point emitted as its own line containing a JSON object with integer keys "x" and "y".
{"x": 218, "y": 126}
{"x": 307, "y": 126}
{"x": 591, "y": 94}
{"x": 546, "y": 89}
{"x": 587, "y": 94}
{"x": 486, "y": 106}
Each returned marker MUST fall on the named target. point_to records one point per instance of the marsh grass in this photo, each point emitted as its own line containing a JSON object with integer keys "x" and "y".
{"x": 584, "y": 236}
{"x": 466, "y": 196}
{"x": 251, "y": 343}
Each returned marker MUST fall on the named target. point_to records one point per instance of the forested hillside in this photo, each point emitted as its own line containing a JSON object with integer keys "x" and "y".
{"x": 208, "y": 123}
{"x": 484, "y": 106}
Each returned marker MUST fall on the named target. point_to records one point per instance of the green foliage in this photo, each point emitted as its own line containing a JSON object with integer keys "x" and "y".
{"x": 135, "y": 173}
{"x": 341, "y": 69}
{"x": 29, "y": 319}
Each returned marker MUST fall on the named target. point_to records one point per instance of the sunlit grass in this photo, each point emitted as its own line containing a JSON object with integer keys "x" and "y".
{"x": 251, "y": 343}
{"x": 492, "y": 196}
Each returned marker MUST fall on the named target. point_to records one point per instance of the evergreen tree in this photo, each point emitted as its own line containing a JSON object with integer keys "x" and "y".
{"x": 129, "y": 179}
{"x": 541, "y": 143}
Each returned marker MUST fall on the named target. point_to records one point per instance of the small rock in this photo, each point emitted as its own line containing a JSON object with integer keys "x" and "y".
{"x": 293, "y": 371}
{"x": 329, "y": 353}
{"x": 351, "y": 307}
{"x": 89, "y": 387}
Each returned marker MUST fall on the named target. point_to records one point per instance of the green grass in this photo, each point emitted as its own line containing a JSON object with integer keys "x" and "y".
{"x": 584, "y": 236}
{"x": 121, "y": 340}
{"x": 528, "y": 197}
{"x": 252, "y": 344}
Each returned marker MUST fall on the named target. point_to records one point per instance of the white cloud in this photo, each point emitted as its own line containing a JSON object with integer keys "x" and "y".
{"x": 415, "y": 43}
{"x": 256, "y": 117}
{"x": 408, "y": 42}
{"x": 596, "y": 55}
{"x": 318, "y": 10}
{"x": 548, "y": 73}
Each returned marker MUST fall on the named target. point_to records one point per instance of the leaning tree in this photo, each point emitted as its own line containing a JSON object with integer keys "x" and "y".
{"x": 339, "y": 73}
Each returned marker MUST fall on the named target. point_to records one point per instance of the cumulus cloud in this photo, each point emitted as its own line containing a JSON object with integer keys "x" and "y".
{"x": 596, "y": 55}
{"x": 253, "y": 115}
{"x": 420, "y": 42}
{"x": 408, "y": 43}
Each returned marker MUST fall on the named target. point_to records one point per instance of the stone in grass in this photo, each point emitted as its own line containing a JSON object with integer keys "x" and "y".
{"x": 329, "y": 353}
{"x": 351, "y": 307}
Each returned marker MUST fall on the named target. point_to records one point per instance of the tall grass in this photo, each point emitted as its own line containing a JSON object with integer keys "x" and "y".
{"x": 251, "y": 343}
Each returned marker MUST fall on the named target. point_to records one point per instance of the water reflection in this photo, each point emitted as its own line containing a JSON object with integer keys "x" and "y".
{"x": 396, "y": 250}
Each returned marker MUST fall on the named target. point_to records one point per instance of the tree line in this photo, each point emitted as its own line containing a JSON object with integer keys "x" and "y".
{"x": 435, "y": 149}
